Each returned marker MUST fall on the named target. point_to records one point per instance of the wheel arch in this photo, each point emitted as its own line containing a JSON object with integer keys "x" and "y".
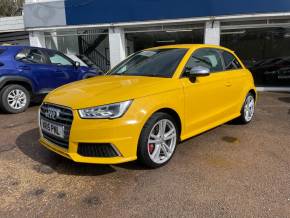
{"x": 172, "y": 113}
{"x": 254, "y": 93}
{"x": 18, "y": 80}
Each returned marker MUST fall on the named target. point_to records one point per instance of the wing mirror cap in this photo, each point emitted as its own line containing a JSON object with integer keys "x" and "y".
{"x": 199, "y": 71}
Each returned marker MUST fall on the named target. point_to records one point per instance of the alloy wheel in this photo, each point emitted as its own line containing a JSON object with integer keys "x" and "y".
{"x": 249, "y": 108}
{"x": 162, "y": 141}
{"x": 17, "y": 99}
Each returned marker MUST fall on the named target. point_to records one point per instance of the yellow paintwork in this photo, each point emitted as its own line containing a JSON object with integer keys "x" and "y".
{"x": 202, "y": 105}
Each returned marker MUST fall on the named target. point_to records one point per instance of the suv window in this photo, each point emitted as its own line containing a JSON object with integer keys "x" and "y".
{"x": 209, "y": 58}
{"x": 231, "y": 63}
{"x": 59, "y": 59}
{"x": 32, "y": 55}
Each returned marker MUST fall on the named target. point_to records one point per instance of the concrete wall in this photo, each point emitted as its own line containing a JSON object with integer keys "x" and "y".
{"x": 44, "y": 14}
{"x": 11, "y": 24}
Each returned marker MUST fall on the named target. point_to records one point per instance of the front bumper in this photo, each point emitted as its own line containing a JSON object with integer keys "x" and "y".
{"x": 123, "y": 134}
{"x": 78, "y": 158}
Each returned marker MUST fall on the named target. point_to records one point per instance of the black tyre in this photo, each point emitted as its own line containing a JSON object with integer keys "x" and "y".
{"x": 158, "y": 140}
{"x": 14, "y": 99}
{"x": 248, "y": 109}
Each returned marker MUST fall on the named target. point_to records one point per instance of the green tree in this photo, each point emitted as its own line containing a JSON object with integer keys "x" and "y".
{"x": 11, "y": 7}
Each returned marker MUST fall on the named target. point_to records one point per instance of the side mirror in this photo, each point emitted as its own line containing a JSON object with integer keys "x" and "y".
{"x": 198, "y": 71}
{"x": 77, "y": 64}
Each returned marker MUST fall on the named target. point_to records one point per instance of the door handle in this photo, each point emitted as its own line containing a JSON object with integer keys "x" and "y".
{"x": 228, "y": 84}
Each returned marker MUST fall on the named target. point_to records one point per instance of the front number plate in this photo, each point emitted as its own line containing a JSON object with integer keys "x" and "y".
{"x": 53, "y": 129}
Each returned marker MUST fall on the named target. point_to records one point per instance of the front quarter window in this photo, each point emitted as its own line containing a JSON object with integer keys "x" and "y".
{"x": 59, "y": 59}
{"x": 156, "y": 63}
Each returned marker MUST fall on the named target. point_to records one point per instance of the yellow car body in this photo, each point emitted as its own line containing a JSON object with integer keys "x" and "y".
{"x": 197, "y": 106}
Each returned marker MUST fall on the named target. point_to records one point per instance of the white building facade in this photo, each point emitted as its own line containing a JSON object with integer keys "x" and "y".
{"x": 106, "y": 32}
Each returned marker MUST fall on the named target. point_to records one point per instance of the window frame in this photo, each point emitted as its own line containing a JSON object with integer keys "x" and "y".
{"x": 219, "y": 50}
{"x": 204, "y": 48}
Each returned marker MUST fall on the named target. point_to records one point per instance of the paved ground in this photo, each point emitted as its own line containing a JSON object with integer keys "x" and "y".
{"x": 231, "y": 171}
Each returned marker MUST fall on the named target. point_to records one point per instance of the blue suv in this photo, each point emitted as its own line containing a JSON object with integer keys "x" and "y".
{"x": 27, "y": 72}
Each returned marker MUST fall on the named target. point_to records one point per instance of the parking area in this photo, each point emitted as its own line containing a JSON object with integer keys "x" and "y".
{"x": 230, "y": 171}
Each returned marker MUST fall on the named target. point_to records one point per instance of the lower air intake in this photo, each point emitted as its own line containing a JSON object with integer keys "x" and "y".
{"x": 96, "y": 150}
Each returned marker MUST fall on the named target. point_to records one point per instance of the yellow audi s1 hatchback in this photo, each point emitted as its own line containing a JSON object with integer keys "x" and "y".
{"x": 145, "y": 105}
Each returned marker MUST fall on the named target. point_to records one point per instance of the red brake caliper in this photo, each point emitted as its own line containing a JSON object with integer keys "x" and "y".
{"x": 150, "y": 148}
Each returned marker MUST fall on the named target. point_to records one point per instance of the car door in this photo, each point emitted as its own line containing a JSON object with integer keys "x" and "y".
{"x": 33, "y": 63}
{"x": 65, "y": 69}
{"x": 206, "y": 98}
{"x": 236, "y": 76}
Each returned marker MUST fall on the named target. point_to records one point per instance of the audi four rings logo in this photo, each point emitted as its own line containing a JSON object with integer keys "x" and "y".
{"x": 52, "y": 113}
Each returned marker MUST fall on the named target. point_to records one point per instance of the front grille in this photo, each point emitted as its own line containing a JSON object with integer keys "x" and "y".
{"x": 65, "y": 118}
{"x": 96, "y": 150}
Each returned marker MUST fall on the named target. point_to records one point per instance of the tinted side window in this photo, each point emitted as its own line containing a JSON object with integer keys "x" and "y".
{"x": 231, "y": 63}
{"x": 33, "y": 55}
{"x": 209, "y": 58}
{"x": 59, "y": 59}
{"x": 22, "y": 55}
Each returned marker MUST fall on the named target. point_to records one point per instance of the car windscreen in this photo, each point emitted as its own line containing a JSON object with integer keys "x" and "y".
{"x": 156, "y": 63}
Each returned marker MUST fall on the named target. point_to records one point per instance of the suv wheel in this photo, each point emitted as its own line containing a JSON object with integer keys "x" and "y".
{"x": 14, "y": 99}
{"x": 158, "y": 140}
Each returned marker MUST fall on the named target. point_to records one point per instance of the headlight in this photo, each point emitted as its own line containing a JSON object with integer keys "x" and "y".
{"x": 109, "y": 111}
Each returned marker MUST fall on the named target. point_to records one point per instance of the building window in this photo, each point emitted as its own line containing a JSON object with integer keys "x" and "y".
{"x": 142, "y": 38}
{"x": 265, "y": 51}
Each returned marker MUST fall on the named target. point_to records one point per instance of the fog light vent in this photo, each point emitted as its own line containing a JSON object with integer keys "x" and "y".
{"x": 96, "y": 150}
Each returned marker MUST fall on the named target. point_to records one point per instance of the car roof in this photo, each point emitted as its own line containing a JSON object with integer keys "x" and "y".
{"x": 17, "y": 47}
{"x": 190, "y": 46}
{"x": 14, "y": 46}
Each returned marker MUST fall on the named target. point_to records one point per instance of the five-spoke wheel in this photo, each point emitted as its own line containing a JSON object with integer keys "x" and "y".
{"x": 158, "y": 140}
{"x": 162, "y": 141}
{"x": 248, "y": 109}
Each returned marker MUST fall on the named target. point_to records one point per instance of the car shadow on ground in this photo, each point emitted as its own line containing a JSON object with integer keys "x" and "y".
{"x": 29, "y": 145}
{"x": 285, "y": 99}
{"x": 134, "y": 165}
{"x": 33, "y": 103}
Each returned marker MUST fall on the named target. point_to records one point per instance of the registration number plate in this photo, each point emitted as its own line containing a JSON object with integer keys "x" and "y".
{"x": 53, "y": 129}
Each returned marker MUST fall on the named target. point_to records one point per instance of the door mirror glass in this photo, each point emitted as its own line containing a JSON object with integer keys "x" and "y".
{"x": 199, "y": 71}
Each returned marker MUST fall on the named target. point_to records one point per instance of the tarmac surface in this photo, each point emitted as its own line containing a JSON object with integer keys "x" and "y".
{"x": 230, "y": 171}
